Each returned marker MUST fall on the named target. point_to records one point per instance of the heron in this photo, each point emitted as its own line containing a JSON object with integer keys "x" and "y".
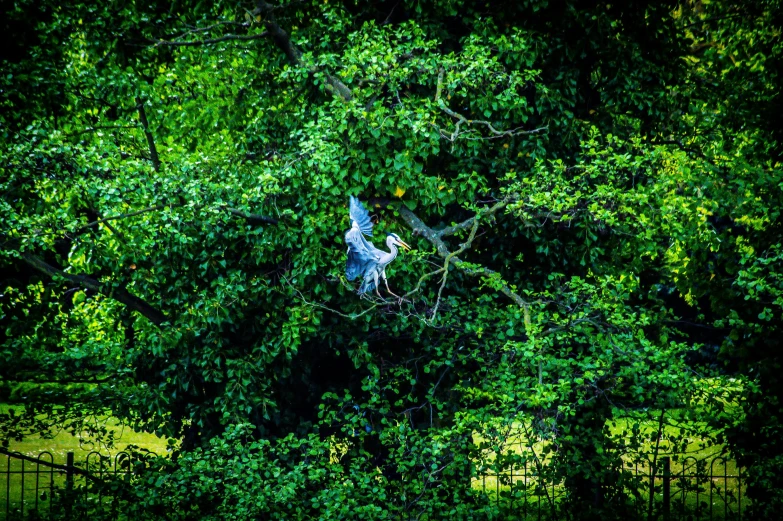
{"x": 363, "y": 257}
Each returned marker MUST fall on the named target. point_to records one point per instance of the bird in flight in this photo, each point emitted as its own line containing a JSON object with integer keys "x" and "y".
{"x": 364, "y": 259}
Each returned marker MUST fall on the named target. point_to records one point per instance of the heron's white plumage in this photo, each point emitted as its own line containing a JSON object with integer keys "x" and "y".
{"x": 364, "y": 259}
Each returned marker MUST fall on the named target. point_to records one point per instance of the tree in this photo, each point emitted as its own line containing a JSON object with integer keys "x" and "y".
{"x": 581, "y": 183}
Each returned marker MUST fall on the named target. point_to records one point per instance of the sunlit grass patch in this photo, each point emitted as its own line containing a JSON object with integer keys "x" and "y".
{"x": 81, "y": 444}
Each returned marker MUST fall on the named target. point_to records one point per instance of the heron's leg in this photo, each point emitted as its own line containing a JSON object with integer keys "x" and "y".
{"x": 386, "y": 281}
{"x": 375, "y": 277}
{"x": 390, "y": 291}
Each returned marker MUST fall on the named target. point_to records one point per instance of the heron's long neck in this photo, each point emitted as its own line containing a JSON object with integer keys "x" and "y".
{"x": 392, "y": 251}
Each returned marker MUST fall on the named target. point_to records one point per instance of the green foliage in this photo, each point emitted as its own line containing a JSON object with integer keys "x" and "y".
{"x": 298, "y": 477}
{"x": 175, "y": 179}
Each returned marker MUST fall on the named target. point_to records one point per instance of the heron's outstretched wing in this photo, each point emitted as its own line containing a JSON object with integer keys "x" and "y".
{"x": 360, "y": 216}
{"x": 361, "y": 254}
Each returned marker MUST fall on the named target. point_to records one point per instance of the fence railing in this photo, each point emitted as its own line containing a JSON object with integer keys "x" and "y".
{"x": 39, "y": 484}
{"x": 674, "y": 488}
{"x": 671, "y": 489}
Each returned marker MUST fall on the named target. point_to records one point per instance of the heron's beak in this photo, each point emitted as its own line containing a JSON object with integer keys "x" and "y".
{"x": 404, "y": 245}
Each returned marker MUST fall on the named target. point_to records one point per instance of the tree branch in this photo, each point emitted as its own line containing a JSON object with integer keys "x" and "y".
{"x": 129, "y": 214}
{"x": 98, "y": 128}
{"x": 251, "y": 217}
{"x": 34, "y": 379}
{"x": 209, "y": 41}
{"x": 419, "y": 228}
{"x": 679, "y": 144}
{"x": 464, "y": 225}
{"x": 462, "y": 119}
{"x": 150, "y": 140}
{"x": 352, "y": 316}
{"x": 119, "y": 294}
{"x": 280, "y": 37}
{"x": 294, "y": 55}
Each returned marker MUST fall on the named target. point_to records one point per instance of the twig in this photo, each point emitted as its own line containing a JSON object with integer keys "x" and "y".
{"x": 252, "y": 217}
{"x": 126, "y": 215}
{"x": 464, "y": 225}
{"x": 422, "y": 279}
{"x": 655, "y": 463}
{"x": 99, "y": 127}
{"x": 539, "y": 465}
{"x": 462, "y": 119}
{"x": 210, "y": 27}
{"x": 352, "y": 316}
{"x": 447, "y": 263}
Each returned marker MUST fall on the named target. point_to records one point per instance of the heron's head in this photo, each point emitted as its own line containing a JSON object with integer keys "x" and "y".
{"x": 393, "y": 238}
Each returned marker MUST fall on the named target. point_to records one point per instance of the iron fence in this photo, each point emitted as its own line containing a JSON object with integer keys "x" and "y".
{"x": 39, "y": 486}
{"x": 675, "y": 487}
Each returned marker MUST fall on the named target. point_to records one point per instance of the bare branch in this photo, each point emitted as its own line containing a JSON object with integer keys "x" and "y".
{"x": 352, "y": 316}
{"x": 464, "y": 225}
{"x": 421, "y": 281}
{"x": 447, "y": 263}
{"x": 462, "y": 119}
{"x": 418, "y": 227}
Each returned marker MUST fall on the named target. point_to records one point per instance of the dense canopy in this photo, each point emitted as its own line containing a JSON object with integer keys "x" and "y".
{"x": 592, "y": 191}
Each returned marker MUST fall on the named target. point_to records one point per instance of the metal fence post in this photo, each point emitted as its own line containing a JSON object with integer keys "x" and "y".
{"x": 21, "y": 492}
{"x": 68, "y": 483}
{"x": 69, "y": 472}
{"x": 8, "y": 486}
{"x": 667, "y": 492}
